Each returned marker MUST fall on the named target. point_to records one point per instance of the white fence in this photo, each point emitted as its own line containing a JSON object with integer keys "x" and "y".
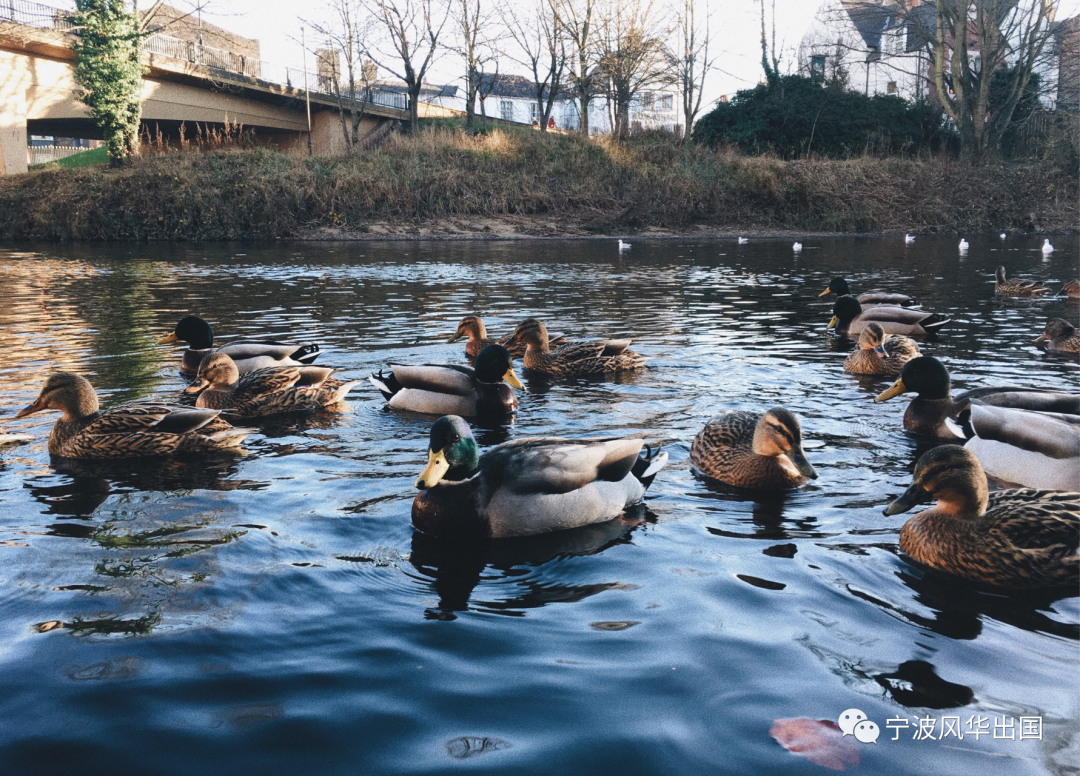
{"x": 44, "y": 154}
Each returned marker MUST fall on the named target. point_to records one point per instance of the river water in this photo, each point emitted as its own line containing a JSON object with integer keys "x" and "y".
{"x": 274, "y": 612}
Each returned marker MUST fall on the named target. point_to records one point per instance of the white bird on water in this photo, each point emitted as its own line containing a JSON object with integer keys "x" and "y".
{"x": 743, "y": 241}
{"x": 1047, "y": 247}
{"x": 797, "y": 247}
{"x": 963, "y": 245}
{"x": 909, "y": 239}
{"x": 623, "y": 246}
{"x": 1002, "y": 235}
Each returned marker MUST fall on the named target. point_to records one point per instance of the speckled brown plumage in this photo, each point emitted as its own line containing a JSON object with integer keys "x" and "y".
{"x": 752, "y": 450}
{"x": 866, "y": 360}
{"x": 575, "y": 359}
{"x": 1014, "y": 287}
{"x": 269, "y": 391}
{"x": 1071, "y": 290}
{"x": 472, "y": 327}
{"x": 136, "y": 429}
{"x": 1021, "y": 538}
{"x": 1060, "y": 335}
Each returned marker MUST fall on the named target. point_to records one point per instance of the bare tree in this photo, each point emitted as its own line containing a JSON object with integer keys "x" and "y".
{"x": 342, "y": 64}
{"x": 577, "y": 20}
{"x": 973, "y": 43}
{"x": 474, "y": 43}
{"x": 770, "y": 57}
{"x": 633, "y": 56}
{"x": 409, "y": 44}
{"x": 693, "y": 36}
{"x": 541, "y": 47}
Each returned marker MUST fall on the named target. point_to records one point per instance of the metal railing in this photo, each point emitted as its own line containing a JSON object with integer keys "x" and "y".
{"x": 44, "y": 154}
{"x": 220, "y": 61}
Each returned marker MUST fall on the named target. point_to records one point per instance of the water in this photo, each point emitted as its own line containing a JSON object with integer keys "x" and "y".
{"x": 274, "y": 613}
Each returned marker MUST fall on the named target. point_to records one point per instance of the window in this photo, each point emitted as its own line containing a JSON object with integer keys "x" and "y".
{"x": 534, "y": 114}
{"x": 891, "y": 87}
{"x": 666, "y": 102}
{"x": 506, "y": 110}
{"x": 817, "y": 67}
{"x": 647, "y": 100}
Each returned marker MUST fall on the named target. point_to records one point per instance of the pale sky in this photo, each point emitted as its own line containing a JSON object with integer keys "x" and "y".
{"x": 736, "y": 24}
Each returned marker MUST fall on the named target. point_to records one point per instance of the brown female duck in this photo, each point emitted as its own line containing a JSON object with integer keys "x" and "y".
{"x": 136, "y": 429}
{"x": 753, "y": 450}
{"x": 472, "y": 327}
{"x": 1020, "y": 538}
{"x": 1013, "y": 287}
{"x": 268, "y": 391}
{"x": 880, "y": 353}
{"x": 576, "y": 359}
{"x": 1060, "y": 335}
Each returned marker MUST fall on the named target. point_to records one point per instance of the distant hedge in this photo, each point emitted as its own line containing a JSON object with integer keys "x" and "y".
{"x": 795, "y": 116}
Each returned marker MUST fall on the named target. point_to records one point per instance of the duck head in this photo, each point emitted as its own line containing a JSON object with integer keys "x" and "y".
{"x": 950, "y": 474}
{"x": 532, "y": 332}
{"x": 873, "y": 338}
{"x": 452, "y": 453}
{"x": 1057, "y": 328}
{"x": 779, "y": 435}
{"x": 836, "y": 286}
{"x": 472, "y": 327}
{"x": 846, "y": 309}
{"x": 194, "y": 331}
{"x": 494, "y": 364}
{"x": 216, "y": 371}
{"x": 925, "y": 376}
{"x": 67, "y": 392}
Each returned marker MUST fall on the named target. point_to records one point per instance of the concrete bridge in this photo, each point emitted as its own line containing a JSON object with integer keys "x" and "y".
{"x": 185, "y": 84}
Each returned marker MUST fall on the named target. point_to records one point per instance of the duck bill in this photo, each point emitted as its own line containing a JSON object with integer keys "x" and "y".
{"x": 167, "y": 339}
{"x": 895, "y": 389}
{"x": 798, "y": 457}
{"x": 197, "y": 386}
{"x": 513, "y": 380}
{"x": 911, "y": 497}
{"x": 456, "y": 337}
{"x": 436, "y": 469}
{"x": 1041, "y": 338}
{"x": 36, "y": 406}
{"x": 826, "y": 292}
{"x": 880, "y": 350}
{"x": 833, "y": 322}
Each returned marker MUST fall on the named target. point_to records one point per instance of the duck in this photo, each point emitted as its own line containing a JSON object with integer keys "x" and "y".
{"x": 1047, "y": 248}
{"x": 1034, "y": 449}
{"x": 249, "y": 355}
{"x": 1060, "y": 335}
{"x": 1002, "y": 236}
{"x": 753, "y": 450}
{"x": 909, "y": 239}
{"x": 485, "y": 390}
{"x": 623, "y": 246}
{"x": 797, "y": 247}
{"x": 849, "y": 317}
{"x": 1014, "y": 287}
{"x": 136, "y": 429}
{"x": 880, "y": 353}
{"x": 269, "y": 391}
{"x": 527, "y": 486}
{"x": 934, "y": 411}
{"x": 964, "y": 245}
{"x": 472, "y": 327}
{"x": 1019, "y": 538}
{"x": 1071, "y": 289}
{"x": 576, "y": 359}
{"x": 840, "y": 287}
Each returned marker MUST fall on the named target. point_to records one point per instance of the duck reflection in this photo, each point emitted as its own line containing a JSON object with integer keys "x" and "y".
{"x": 86, "y": 484}
{"x": 456, "y": 568}
{"x": 767, "y": 510}
{"x": 916, "y": 683}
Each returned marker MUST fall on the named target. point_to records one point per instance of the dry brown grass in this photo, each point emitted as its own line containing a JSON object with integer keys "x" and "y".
{"x": 588, "y": 185}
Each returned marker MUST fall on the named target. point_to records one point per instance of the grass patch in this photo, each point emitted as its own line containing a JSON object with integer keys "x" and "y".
{"x": 585, "y": 185}
{"x": 95, "y": 157}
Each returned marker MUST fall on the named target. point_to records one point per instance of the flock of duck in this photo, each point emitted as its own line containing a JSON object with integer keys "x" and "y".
{"x": 1021, "y": 537}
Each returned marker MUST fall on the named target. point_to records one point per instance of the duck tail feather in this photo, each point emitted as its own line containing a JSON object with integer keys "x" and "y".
{"x": 386, "y": 384}
{"x": 935, "y": 322}
{"x": 306, "y": 353}
{"x": 648, "y": 464}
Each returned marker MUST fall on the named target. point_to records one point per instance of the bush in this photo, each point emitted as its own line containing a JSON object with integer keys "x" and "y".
{"x": 795, "y": 116}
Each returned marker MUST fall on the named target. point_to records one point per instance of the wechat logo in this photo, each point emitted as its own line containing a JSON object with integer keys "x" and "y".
{"x": 853, "y": 722}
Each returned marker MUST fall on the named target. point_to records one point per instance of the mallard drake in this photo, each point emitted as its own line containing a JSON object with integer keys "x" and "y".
{"x": 1014, "y": 287}
{"x": 1023, "y": 538}
{"x": 451, "y": 389}
{"x": 1071, "y": 289}
{"x": 1061, "y": 335}
{"x": 755, "y": 450}
{"x": 931, "y": 411}
{"x": 249, "y": 355}
{"x": 527, "y": 486}
{"x": 135, "y": 429}
{"x": 1034, "y": 449}
{"x": 880, "y": 353}
{"x": 575, "y": 359}
{"x": 268, "y": 391}
{"x": 849, "y": 317}
{"x": 472, "y": 327}
{"x": 839, "y": 286}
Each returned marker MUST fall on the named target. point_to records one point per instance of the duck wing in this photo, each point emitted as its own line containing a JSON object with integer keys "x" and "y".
{"x": 548, "y": 466}
{"x": 242, "y": 350}
{"x": 877, "y": 297}
{"x": 1015, "y": 397}
{"x": 448, "y": 378}
{"x": 155, "y": 416}
{"x": 904, "y": 316}
{"x": 1035, "y": 432}
{"x": 1030, "y": 519}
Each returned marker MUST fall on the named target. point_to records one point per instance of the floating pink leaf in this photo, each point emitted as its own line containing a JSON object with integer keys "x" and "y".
{"x": 818, "y": 740}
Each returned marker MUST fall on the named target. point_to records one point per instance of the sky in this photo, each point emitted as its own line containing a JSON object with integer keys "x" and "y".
{"x": 736, "y": 24}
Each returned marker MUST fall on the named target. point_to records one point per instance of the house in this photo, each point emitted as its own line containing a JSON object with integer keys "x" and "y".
{"x": 1066, "y": 50}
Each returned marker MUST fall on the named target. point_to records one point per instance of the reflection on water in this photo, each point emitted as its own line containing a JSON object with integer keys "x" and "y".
{"x": 252, "y": 613}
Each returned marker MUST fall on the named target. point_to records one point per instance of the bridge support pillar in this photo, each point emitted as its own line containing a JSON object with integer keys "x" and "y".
{"x": 13, "y": 139}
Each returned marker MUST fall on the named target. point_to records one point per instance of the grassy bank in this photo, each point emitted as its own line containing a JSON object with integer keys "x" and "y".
{"x": 543, "y": 183}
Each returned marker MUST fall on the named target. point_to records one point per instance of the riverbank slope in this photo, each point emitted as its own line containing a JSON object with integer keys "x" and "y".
{"x": 444, "y": 183}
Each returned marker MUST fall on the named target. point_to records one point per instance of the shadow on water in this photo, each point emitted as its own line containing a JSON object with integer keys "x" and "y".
{"x": 456, "y": 569}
